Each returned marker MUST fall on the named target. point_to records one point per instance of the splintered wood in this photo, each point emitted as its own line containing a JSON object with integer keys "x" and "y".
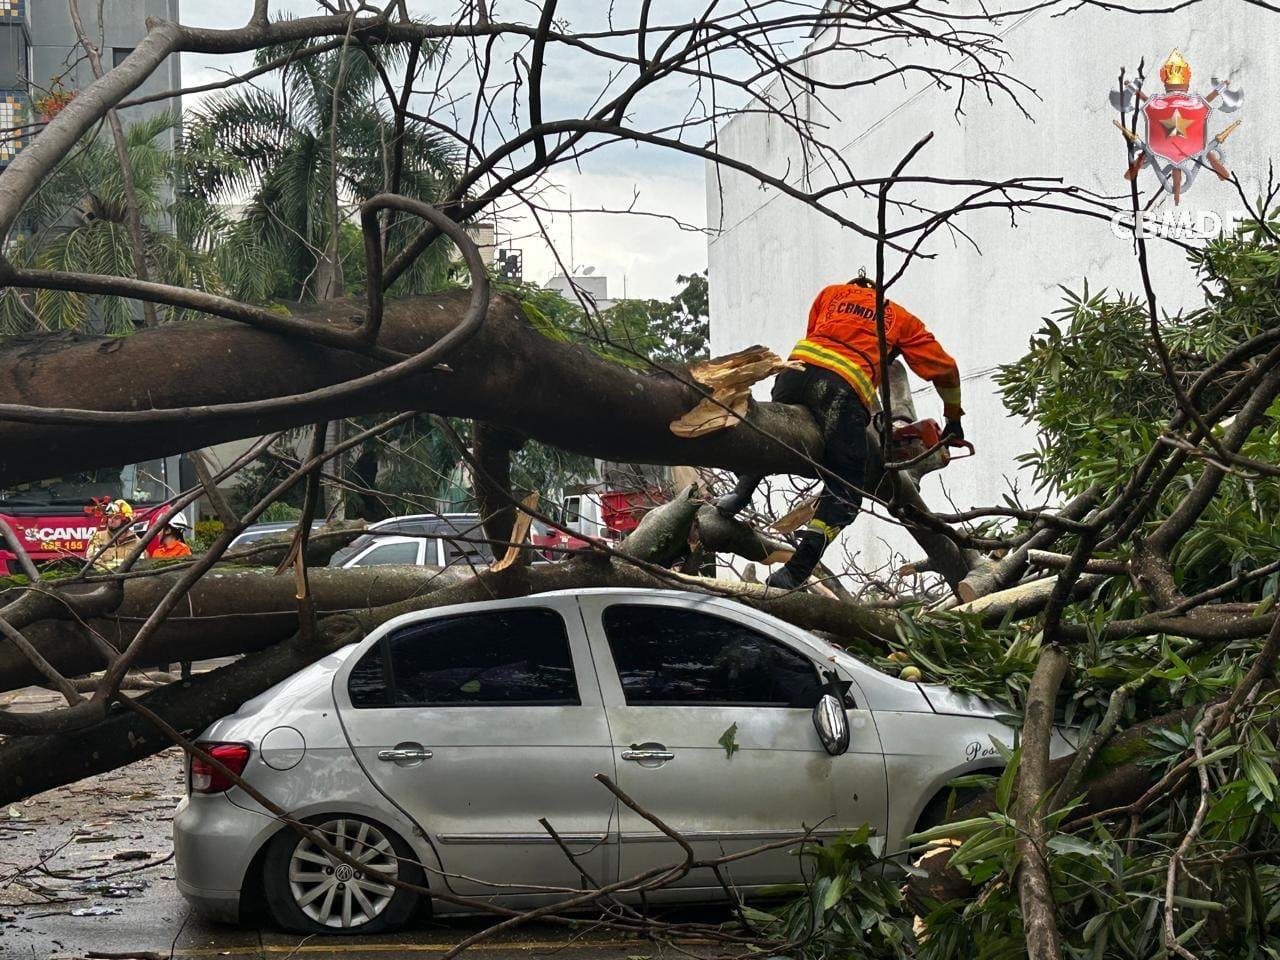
{"x": 519, "y": 530}
{"x": 729, "y": 380}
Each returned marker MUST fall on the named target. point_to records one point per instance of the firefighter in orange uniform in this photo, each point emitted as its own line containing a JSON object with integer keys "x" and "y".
{"x": 169, "y": 541}
{"x": 841, "y": 356}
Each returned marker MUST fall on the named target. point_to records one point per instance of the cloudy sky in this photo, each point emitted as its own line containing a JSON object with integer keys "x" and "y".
{"x": 642, "y": 254}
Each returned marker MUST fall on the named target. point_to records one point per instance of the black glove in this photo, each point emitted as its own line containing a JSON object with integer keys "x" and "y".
{"x": 952, "y": 431}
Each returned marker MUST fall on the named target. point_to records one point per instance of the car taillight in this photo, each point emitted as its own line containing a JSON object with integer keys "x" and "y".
{"x": 206, "y": 778}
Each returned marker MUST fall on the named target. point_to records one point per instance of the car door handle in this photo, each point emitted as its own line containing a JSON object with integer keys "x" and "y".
{"x": 648, "y": 753}
{"x": 405, "y": 755}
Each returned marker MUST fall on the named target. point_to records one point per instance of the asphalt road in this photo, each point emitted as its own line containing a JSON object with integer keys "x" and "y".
{"x": 87, "y": 869}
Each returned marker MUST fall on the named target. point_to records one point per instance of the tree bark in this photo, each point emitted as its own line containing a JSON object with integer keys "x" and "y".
{"x": 1013, "y": 565}
{"x": 1035, "y": 888}
{"x": 492, "y": 448}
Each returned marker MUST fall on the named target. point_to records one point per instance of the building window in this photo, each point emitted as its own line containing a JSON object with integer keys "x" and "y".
{"x": 12, "y": 9}
{"x": 118, "y": 55}
{"x": 13, "y": 119}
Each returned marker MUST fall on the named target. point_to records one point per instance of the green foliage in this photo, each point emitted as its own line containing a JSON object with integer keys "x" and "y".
{"x": 283, "y": 151}
{"x": 205, "y": 533}
{"x": 848, "y": 909}
{"x": 79, "y": 225}
{"x": 1092, "y": 384}
{"x": 1109, "y": 881}
{"x": 637, "y": 333}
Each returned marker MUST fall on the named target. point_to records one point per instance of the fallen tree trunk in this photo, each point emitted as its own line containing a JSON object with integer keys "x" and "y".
{"x": 499, "y": 376}
{"x": 229, "y": 611}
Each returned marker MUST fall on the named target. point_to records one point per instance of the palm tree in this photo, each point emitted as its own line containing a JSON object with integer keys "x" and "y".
{"x": 281, "y": 155}
{"x": 78, "y": 224}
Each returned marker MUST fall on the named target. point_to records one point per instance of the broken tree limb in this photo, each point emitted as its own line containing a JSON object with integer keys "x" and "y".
{"x": 492, "y": 448}
{"x": 230, "y": 611}
{"x": 519, "y": 531}
{"x": 1119, "y": 775}
{"x": 1058, "y": 561}
{"x": 663, "y": 532}
{"x": 221, "y": 505}
{"x": 723, "y": 534}
{"x": 729, "y": 380}
{"x": 122, "y": 738}
{"x": 1013, "y": 565}
{"x": 1023, "y": 600}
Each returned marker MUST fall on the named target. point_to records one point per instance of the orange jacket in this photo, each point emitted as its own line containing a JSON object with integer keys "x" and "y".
{"x": 842, "y": 338}
{"x": 175, "y": 549}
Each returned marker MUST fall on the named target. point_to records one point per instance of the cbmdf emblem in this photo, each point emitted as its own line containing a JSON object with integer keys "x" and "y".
{"x": 1178, "y": 145}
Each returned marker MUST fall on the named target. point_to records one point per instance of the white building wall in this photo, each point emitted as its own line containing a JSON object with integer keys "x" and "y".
{"x": 773, "y": 254}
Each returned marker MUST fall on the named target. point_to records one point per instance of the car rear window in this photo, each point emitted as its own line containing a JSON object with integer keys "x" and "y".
{"x": 500, "y": 658}
{"x": 402, "y": 552}
{"x": 407, "y": 528}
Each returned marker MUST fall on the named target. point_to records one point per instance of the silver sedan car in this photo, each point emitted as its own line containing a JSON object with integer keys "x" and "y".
{"x": 431, "y": 749}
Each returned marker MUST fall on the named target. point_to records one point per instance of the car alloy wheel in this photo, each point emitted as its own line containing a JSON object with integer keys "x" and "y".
{"x": 332, "y": 892}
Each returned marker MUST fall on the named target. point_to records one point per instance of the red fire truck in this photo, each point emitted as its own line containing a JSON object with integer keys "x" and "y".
{"x": 50, "y": 518}
{"x": 607, "y": 510}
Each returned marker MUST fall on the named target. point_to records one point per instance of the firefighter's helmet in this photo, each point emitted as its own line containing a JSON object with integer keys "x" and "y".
{"x": 119, "y": 508}
{"x": 862, "y": 280}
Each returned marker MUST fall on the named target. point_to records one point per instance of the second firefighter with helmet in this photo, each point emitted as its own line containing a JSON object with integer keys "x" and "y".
{"x": 838, "y": 384}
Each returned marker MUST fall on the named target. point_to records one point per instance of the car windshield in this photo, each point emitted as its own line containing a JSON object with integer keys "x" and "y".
{"x": 142, "y": 484}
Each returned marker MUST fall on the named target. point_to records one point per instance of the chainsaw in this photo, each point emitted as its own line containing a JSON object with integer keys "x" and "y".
{"x": 915, "y": 441}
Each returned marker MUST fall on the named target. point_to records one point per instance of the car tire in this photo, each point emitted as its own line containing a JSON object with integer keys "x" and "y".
{"x": 936, "y": 811}
{"x": 307, "y": 891}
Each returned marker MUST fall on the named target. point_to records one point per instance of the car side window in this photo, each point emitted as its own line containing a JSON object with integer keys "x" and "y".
{"x": 388, "y": 553}
{"x": 468, "y": 550}
{"x": 668, "y": 655}
{"x": 507, "y": 657}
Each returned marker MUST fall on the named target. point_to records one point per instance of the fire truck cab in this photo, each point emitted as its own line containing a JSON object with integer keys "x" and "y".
{"x": 49, "y": 516}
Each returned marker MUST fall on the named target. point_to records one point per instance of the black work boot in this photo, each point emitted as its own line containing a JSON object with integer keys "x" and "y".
{"x": 800, "y": 566}
{"x": 732, "y": 504}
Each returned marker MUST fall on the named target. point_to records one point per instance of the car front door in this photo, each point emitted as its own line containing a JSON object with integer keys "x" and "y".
{"x": 477, "y": 724}
{"x": 701, "y": 701}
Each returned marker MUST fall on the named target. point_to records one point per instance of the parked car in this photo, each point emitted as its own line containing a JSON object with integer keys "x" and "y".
{"x": 392, "y": 550}
{"x": 443, "y": 736}
{"x": 257, "y": 532}
{"x": 444, "y": 539}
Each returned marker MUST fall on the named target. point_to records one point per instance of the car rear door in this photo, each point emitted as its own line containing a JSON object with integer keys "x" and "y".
{"x": 479, "y": 723}
{"x": 700, "y": 699}
{"x": 390, "y": 551}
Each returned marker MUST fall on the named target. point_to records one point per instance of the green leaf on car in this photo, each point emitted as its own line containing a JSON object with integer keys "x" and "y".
{"x": 729, "y": 740}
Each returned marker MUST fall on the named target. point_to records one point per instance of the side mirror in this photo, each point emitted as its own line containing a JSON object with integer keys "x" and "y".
{"x": 832, "y": 724}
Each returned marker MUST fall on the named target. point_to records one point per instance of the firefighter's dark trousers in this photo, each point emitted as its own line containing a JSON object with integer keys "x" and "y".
{"x": 843, "y": 421}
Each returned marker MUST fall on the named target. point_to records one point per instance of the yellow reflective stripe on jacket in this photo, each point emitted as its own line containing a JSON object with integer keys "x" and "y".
{"x": 810, "y": 352}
